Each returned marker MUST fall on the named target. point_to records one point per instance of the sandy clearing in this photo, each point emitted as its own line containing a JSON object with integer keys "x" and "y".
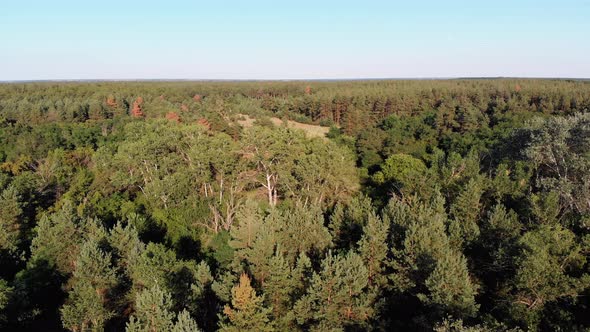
{"x": 310, "y": 130}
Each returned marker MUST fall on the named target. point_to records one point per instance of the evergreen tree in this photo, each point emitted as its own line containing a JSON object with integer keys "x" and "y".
{"x": 153, "y": 313}
{"x": 338, "y": 295}
{"x": 49, "y": 244}
{"x": 246, "y": 312}
{"x": 550, "y": 268}
{"x": 373, "y": 249}
{"x": 450, "y": 287}
{"x": 87, "y": 308}
{"x": 185, "y": 323}
{"x": 10, "y": 224}
{"x": 465, "y": 210}
{"x": 5, "y": 293}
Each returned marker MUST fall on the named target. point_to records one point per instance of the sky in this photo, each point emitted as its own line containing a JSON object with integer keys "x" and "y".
{"x": 223, "y": 39}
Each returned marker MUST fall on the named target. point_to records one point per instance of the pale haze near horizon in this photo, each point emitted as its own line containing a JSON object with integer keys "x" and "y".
{"x": 43, "y": 40}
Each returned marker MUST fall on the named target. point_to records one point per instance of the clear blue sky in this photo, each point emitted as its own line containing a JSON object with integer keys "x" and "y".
{"x": 293, "y": 39}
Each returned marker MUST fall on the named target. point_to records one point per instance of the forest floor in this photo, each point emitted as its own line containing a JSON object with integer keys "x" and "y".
{"x": 309, "y": 129}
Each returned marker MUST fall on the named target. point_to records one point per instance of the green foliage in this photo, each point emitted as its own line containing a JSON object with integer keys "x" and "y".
{"x": 551, "y": 267}
{"x": 5, "y": 293}
{"x": 373, "y": 249}
{"x": 49, "y": 244}
{"x": 406, "y": 174}
{"x": 10, "y": 225}
{"x": 465, "y": 211}
{"x": 338, "y": 295}
{"x": 451, "y": 287}
{"x": 87, "y": 308}
{"x": 453, "y": 205}
{"x": 559, "y": 148}
{"x": 153, "y": 313}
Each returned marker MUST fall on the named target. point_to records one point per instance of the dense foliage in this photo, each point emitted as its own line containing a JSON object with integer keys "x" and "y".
{"x": 458, "y": 205}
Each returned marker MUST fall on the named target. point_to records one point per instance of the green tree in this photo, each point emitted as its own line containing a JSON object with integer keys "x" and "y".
{"x": 406, "y": 174}
{"x": 559, "y": 148}
{"x": 5, "y": 293}
{"x": 465, "y": 211}
{"x": 87, "y": 307}
{"x": 324, "y": 174}
{"x": 49, "y": 244}
{"x": 10, "y": 224}
{"x": 153, "y": 313}
{"x": 338, "y": 295}
{"x": 373, "y": 249}
{"x": 348, "y": 219}
{"x": 551, "y": 267}
{"x": 159, "y": 266}
{"x": 271, "y": 152}
{"x": 450, "y": 286}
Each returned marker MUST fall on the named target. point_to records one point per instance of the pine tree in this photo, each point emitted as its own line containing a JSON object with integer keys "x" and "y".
{"x": 246, "y": 312}
{"x": 279, "y": 289}
{"x": 49, "y": 244}
{"x": 500, "y": 232}
{"x": 185, "y": 323}
{"x": 10, "y": 211}
{"x": 5, "y": 293}
{"x": 301, "y": 230}
{"x": 249, "y": 220}
{"x": 127, "y": 247}
{"x": 258, "y": 257}
{"x": 159, "y": 266}
{"x": 347, "y": 221}
{"x": 153, "y": 313}
{"x": 92, "y": 280}
{"x": 450, "y": 287}
{"x": 424, "y": 242}
{"x": 373, "y": 249}
{"x": 465, "y": 210}
{"x": 338, "y": 295}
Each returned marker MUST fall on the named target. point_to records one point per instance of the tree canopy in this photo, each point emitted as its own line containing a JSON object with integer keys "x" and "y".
{"x": 426, "y": 205}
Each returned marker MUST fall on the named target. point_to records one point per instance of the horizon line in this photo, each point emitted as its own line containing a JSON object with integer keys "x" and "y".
{"x": 91, "y": 80}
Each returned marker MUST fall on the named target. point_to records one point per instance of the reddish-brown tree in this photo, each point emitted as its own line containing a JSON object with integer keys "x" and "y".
{"x": 112, "y": 102}
{"x": 173, "y": 116}
{"x": 136, "y": 111}
{"x": 203, "y": 122}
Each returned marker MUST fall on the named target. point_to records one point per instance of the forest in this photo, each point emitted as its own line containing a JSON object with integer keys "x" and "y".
{"x": 377, "y": 205}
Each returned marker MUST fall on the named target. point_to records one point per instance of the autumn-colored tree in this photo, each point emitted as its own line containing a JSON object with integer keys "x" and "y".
{"x": 173, "y": 116}
{"x": 137, "y": 111}
{"x": 246, "y": 312}
{"x": 112, "y": 102}
{"x": 204, "y": 123}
